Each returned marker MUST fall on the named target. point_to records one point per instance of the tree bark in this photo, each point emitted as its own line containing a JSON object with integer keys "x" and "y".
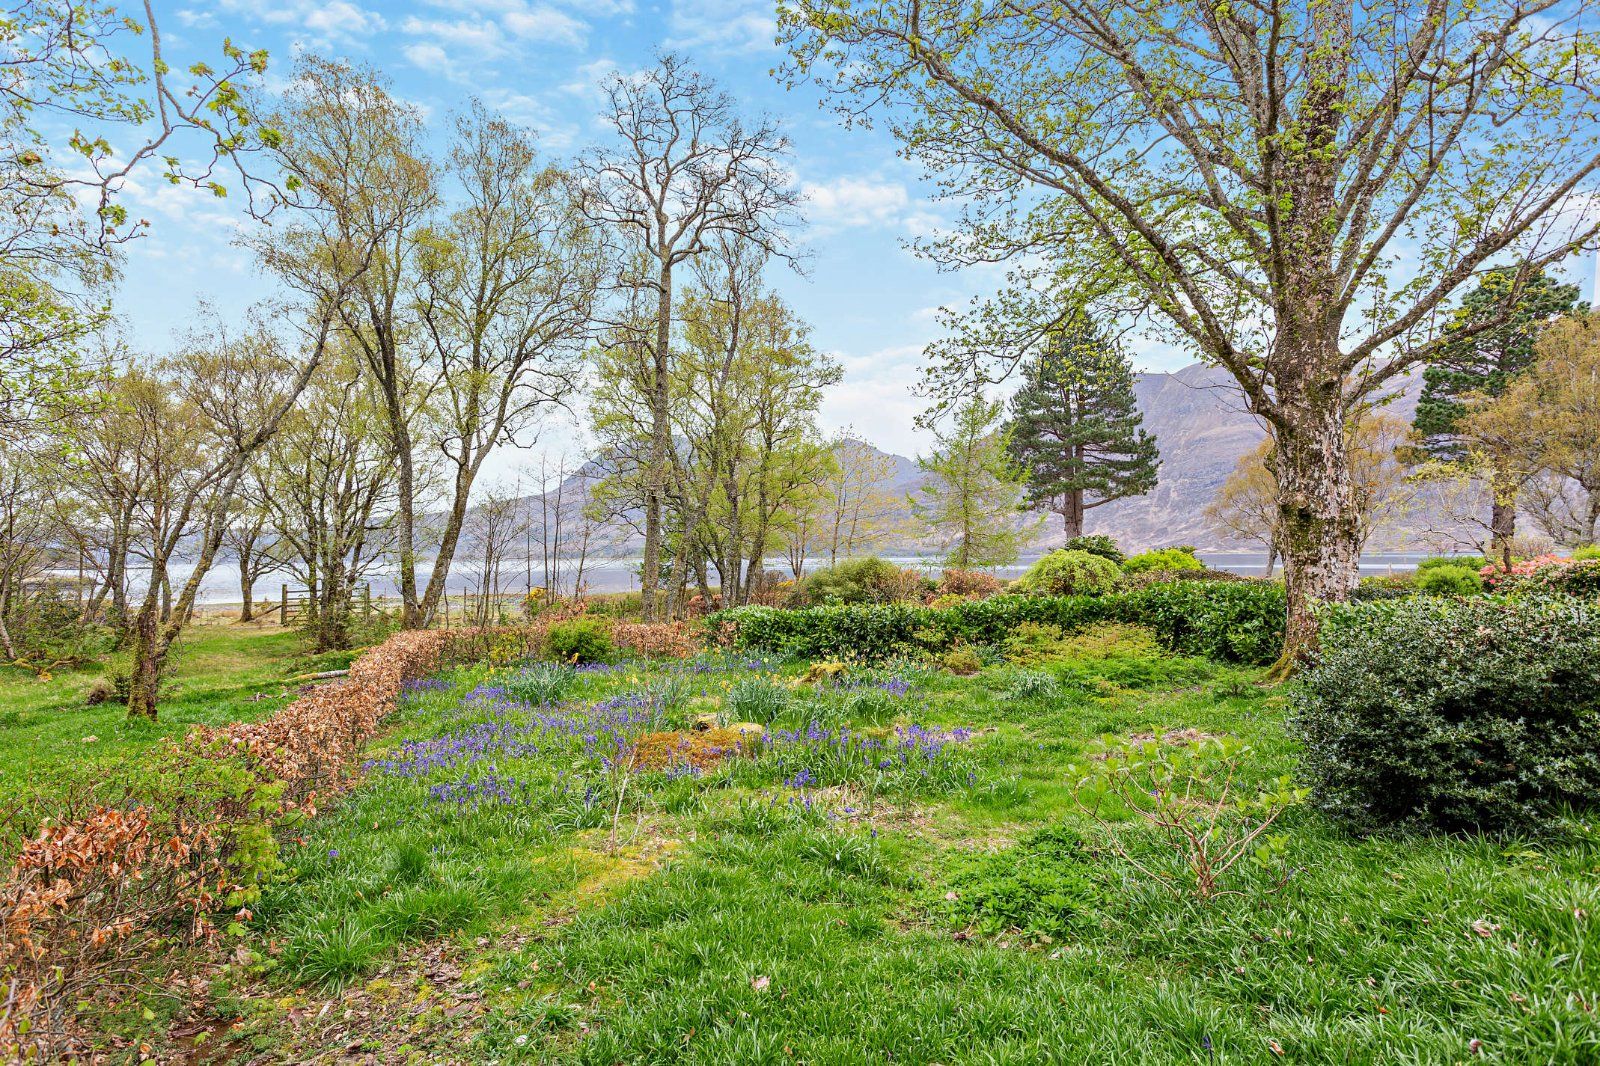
{"x": 660, "y": 444}
{"x": 1319, "y": 524}
{"x": 1502, "y": 527}
{"x": 1072, "y": 513}
{"x": 247, "y": 584}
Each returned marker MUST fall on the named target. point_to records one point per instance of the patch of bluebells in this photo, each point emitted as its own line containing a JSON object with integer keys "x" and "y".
{"x": 496, "y": 790}
{"x": 592, "y": 737}
{"x": 419, "y": 685}
{"x": 912, "y": 757}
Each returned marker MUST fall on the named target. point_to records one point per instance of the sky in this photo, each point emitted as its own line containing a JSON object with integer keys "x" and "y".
{"x": 871, "y": 302}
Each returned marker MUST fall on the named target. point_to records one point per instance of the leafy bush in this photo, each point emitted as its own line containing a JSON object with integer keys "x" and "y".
{"x": 1097, "y": 544}
{"x": 1587, "y": 553}
{"x": 580, "y": 640}
{"x": 1435, "y": 562}
{"x": 1449, "y": 581}
{"x": 1235, "y": 621}
{"x": 1033, "y": 644}
{"x": 968, "y": 584}
{"x": 1069, "y": 572}
{"x": 870, "y": 580}
{"x": 1123, "y": 655}
{"x": 1384, "y": 587}
{"x": 1163, "y": 559}
{"x": 1146, "y": 578}
{"x": 962, "y": 660}
{"x": 1480, "y": 713}
{"x": 1561, "y": 579}
{"x": 49, "y": 633}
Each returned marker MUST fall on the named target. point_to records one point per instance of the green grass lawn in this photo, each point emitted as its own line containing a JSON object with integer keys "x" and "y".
{"x": 503, "y": 888}
{"x": 50, "y": 738}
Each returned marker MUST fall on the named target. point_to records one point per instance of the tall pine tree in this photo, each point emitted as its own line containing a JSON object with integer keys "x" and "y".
{"x": 1076, "y": 426}
{"x": 1484, "y": 362}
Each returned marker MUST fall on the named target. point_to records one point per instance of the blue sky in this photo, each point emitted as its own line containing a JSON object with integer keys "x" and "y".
{"x": 870, "y": 300}
{"x": 872, "y": 303}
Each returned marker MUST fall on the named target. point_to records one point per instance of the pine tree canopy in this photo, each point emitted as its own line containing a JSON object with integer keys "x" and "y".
{"x": 1484, "y": 361}
{"x": 1076, "y": 426}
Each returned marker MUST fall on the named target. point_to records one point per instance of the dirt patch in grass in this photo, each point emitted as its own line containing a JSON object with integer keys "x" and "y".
{"x": 700, "y": 749}
{"x": 429, "y": 1002}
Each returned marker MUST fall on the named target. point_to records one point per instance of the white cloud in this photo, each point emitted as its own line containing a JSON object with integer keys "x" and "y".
{"x": 546, "y": 24}
{"x": 876, "y": 398}
{"x": 851, "y": 201}
{"x": 321, "y": 23}
{"x": 725, "y": 26}
{"x": 429, "y": 57}
{"x": 480, "y": 38}
{"x": 490, "y": 31}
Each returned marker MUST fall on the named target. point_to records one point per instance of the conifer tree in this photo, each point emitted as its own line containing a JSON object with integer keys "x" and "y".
{"x": 1076, "y": 427}
{"x": 1485, "y": 350}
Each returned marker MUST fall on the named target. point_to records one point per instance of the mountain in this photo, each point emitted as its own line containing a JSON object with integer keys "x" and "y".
{"x": 1198, "y": 417}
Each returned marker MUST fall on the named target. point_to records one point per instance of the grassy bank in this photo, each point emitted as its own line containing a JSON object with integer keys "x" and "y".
{"x": 50, "y": 737}
{"x": 897, "y": 872}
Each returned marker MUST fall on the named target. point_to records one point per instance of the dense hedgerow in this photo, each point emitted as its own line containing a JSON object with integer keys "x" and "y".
{"x": 1234, "y": 621}
{"x": 1454, "y": 714}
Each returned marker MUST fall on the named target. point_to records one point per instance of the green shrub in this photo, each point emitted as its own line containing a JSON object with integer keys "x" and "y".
{"x": 1069, "y": 572}
{"x": 962, "y": 660}
{"x": 1033, "y": 644}
{"x": 1097, "y": 544}
{"x": 1163, "y": 559}
{"x": 580, "y": 640}
{"x": 1125, "y": 655}
{"x": 1436, "y": 562}
{"x": 870, "y": 580}
{"x": 1587, "y": 553}
{"x": 1453, "y": 713}
{"x": 1449, "y": 581}
{"x": 1384, "y": 587}
{"x": 1560, "y": 579}
{"x": 1234, "y": 621}
{"x": 1043, "y": 887}
{"x": 1146, "y": 578}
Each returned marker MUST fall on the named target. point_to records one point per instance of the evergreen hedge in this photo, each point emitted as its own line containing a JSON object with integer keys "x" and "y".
{"x": 1233, "y": 621}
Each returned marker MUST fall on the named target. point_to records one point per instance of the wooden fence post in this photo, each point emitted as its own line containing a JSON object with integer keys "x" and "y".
{"x": 283, "y": 607}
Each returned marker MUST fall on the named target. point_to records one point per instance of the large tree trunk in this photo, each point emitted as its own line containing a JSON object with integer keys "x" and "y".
{"x": 660, "y": 444}
{"x": 1072, "y": 513}
{"x": 144, "y": 671}
{"x": 1502, "y": 526}
{"x": 247, "y": 584}
{"x": 411, "y": 614}
{"x": 1319, "y": 527}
